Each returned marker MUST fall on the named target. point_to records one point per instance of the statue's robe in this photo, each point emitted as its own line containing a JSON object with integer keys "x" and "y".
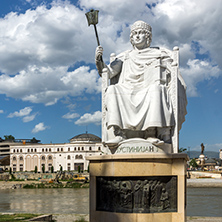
{"x": 138, "y": 101}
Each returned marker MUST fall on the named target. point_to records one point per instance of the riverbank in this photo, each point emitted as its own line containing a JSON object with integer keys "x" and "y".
{"x": 204, "y": 182}
{"x": 37, "y": 184}
{"x": 19, "y": 184}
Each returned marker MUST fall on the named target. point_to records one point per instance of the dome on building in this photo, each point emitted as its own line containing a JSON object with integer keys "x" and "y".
{"x": 85, "y": 137}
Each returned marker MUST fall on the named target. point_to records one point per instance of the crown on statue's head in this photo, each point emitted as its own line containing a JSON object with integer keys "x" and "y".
{"x": 141, "y": 25}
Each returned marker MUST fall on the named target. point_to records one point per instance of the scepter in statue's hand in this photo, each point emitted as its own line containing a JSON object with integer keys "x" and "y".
{"x": 92, "y": 18}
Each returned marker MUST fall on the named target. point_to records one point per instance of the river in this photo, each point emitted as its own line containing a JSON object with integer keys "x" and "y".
{"x": 200, "y": 201}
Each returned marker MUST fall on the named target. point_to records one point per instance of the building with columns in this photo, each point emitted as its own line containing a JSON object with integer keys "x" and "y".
{"x": 68, "y": 156}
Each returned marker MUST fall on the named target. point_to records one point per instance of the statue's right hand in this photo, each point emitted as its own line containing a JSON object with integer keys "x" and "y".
{"x": 99, "y": 53}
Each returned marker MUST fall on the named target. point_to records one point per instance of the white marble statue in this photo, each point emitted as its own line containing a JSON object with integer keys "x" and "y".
{"x": 139, "y": 105}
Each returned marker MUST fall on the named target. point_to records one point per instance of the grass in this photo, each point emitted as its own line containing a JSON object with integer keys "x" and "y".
{"x": 81, "y": 219}
{"x": 16, "y": 217}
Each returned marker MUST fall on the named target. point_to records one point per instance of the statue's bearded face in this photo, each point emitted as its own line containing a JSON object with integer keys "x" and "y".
{"x": 140, "y": 38}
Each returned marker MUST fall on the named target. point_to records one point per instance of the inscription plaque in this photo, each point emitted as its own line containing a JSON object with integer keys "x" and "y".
{"x": 151, "y": 194}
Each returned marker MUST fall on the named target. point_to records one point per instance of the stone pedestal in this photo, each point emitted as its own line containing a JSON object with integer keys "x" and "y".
{"x": 138, "y": 187}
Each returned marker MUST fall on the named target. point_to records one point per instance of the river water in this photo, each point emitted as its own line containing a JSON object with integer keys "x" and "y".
{"x": 200, "y": 201}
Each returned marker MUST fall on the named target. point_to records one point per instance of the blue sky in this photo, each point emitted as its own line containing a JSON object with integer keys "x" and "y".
{"x": 50, "y": 89}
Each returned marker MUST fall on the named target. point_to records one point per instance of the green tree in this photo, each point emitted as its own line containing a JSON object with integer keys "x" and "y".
{"x": 181, "y": 150}
{"x": 43, "y": 168}
{"x": 9, "y": 137}
{"x": 36, "y": 169}
{"x": 52, "y": 169}
{"x": 193, "y": 163}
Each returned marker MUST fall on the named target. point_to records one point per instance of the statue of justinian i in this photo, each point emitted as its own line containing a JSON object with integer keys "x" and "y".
{"x": 140, "y": 100}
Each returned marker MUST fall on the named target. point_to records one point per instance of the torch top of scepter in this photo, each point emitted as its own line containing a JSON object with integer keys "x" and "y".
{"x": 92, "y": 17}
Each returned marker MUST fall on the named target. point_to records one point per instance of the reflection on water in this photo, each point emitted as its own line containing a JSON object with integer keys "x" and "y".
{"x": 200, "y": 201}
{"x": 204, "y": 202}
{"x": 45, "y": 201}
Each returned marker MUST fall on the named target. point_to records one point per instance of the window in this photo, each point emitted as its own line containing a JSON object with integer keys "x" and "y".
{"x": 14, "y": 158}
{"x": 61, "y": 149}
{"x": 82, "y": 148}
{"x": 50, "y": 157}
{"x": 80, "y": 157}
{"x": 14, "y": 151}
{"x": 21, "y": 158}
{"x": 68, "y": 157}
{"x": 75, "y": 148}
{"x": 14, "y": 167}
{"x": 99, "y": 148}
{"x": 17, "y": 150}
{"x": 42, "y": 150}
{"x": 68, "y": 166}
{"x": 21, "y": 167}
{"x": 68, "y": 149}
{"x": 32, "y": 150}
{"x": 35, "y": 150}
{"x": 49, "y": 167}
{"x": 28, "y": 150}
{"x": 43, "y": 157}
{"x": 90, "y": 148}
{"x": 49, "y": 149}
{"x": 58, "y": 149}
{"x": 20, "y": 150}
{"x": 78, "y": 148}
{"x": 77, "y": 157}
{"x": 46, "y": 150}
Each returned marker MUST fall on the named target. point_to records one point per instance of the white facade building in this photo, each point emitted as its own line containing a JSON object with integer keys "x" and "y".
{"x": 69, "y": 156}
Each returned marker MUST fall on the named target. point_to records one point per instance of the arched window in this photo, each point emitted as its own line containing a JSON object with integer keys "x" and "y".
{"x": 28, "y": 150}
{"x": 20, "y": 150}
{"x": 68, "y": 149}
{"x": 43, "y": 157}
{"x": 99, "y": 148}
{"x": 82, "y": 148}
{"x": 77, "y": 157}
{"x": 80, "y": 157}
{"x": 17, "y": 150}
{"x": 50, "y": 157}
{"x": 58, "y": 149}
{"x": 46, "y": 150}
{"x": 14, "y": 158}
{"x": 35, "y": 150}
{"x": 21, "y": 158}
{"x": 75, "y": 148}
{"x": 49, "y": 149}
{"x": 68, "y": 157}
{"x": 14, "y": 151}
{"x": 78, "y": 148}
{"x": 32, "y": 150}
{"x": 61, "y": 149}
{"x": 42, "y": 150}
{"x": 90, "y": 148}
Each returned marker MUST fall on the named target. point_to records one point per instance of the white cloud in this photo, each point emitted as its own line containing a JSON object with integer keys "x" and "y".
{"x": 39, "y": 127}
{"x": 70, "y": 115}
{"x": 23, "y": 112}
{"x": 38, "y": 47}
{"x": 88, "y": 118}
{"x": 29, "y": 118}
{"x": 1, "y": 111}
{"x": 197, "y": 71}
